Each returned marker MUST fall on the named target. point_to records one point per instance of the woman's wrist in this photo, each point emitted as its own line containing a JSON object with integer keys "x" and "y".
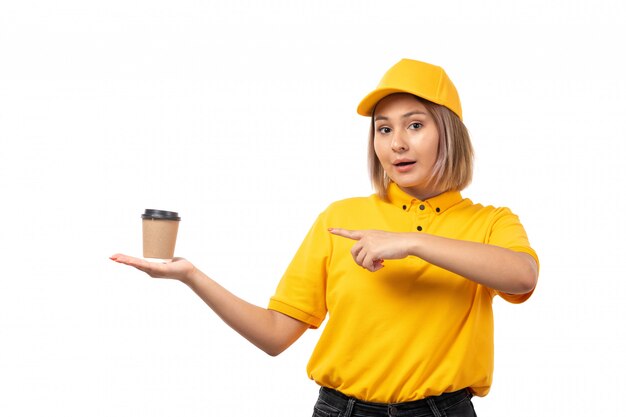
{"x": 415, "y": 243}
{"x": 192, "y": 276}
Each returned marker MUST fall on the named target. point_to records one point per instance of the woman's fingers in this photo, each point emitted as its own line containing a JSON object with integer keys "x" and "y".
{"x": 356, "y": 250}
{"x": 153, "y": 269}
{"x": 122, "y": 259}
{"x": 350, "y": 234}
{"x": 362, "y": 252}
{"x": 372, "y": 264}
{"x": 129, "y": 260}
{"x": 368, "y": 249}
{"x": 362, "y": 258}
{"x": 377, "y": 265}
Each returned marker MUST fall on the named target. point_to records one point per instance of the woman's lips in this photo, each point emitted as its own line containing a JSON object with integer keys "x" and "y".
{"x": 404, "y": 166}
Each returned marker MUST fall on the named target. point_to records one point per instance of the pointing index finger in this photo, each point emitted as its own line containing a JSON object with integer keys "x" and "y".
{"x": 350, "y": 234}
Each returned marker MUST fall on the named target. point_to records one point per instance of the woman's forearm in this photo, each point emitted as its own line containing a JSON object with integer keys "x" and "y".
{"x": 495, "y": 267}
{"x": 269, "y": 330}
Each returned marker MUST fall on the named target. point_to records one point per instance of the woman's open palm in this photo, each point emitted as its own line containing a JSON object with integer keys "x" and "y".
{"x": 177, "y": 268}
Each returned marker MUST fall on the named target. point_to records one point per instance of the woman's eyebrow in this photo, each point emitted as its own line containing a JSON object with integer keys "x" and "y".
{"x": 404, "y": 116}
{"x": 412, "y": 113}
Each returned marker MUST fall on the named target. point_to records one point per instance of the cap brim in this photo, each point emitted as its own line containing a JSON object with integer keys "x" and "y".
{"x": 366, "y": 105}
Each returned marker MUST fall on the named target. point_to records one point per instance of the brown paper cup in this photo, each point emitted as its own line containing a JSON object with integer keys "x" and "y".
{"x": 159, "y": 234}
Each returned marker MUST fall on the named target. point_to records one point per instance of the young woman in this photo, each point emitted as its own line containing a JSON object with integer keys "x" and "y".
{"x": 406, "y": 276}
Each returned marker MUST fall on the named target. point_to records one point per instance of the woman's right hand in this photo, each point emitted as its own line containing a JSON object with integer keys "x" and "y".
{"x": 269, "y": 330}
{"x": 178, "y": 268}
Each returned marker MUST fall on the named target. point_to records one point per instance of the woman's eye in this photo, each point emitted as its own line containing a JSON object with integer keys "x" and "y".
{"x": 415, "y": 125}
{"x": 384, "y": 129}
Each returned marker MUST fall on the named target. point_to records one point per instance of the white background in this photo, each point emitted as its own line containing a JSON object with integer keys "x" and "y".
{"x": 240, "y": 115}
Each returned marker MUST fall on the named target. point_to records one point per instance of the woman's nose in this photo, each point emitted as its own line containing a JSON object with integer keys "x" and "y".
{"x": 399, "y": 143}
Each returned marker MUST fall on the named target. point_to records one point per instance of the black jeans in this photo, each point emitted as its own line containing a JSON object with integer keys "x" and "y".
{"x": 332, "y": 403}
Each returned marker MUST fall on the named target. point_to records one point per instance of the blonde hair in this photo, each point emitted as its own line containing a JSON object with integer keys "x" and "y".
{"x": 455, "y": 156}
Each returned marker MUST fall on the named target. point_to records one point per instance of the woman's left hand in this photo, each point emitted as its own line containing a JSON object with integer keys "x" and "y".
{"x": 372, "y": 247}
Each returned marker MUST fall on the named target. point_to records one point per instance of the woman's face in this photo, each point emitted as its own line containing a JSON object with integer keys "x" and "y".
{"x": 406, "y": 142}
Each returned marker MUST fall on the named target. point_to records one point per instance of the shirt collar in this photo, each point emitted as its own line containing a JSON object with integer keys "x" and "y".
{"x": 437, "y": 204}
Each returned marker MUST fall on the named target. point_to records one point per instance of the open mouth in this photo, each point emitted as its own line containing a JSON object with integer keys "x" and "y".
{"x": 403, "y": 164}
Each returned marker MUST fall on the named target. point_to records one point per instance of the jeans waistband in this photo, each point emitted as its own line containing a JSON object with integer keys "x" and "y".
{"x": 426, "y": 406}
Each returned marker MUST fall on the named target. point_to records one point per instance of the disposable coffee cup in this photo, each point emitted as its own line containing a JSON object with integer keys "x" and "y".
{"x": 160, "y": 229}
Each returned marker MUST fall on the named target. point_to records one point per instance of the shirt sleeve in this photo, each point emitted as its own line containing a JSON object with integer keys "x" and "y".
{"x": 507, "y": 232}
{"x": 301, "y": 292}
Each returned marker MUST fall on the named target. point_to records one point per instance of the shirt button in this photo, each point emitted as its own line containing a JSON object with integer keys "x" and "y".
{"x": 437, "y": 209}
{"x": 419, "y": 228}
{"x": 393, "y": 410}
{"x": 404, "y": 207}
{"x": 422, "y": 207}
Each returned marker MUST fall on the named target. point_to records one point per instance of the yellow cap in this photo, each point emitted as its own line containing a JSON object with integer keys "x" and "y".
{"x": 418, "y": 78}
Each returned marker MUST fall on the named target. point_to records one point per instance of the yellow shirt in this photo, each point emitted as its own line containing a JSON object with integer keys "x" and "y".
{"x": 411, "y": 329}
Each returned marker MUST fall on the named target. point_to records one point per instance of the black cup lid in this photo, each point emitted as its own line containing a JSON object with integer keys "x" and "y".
{"x": 160, "y": 215}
